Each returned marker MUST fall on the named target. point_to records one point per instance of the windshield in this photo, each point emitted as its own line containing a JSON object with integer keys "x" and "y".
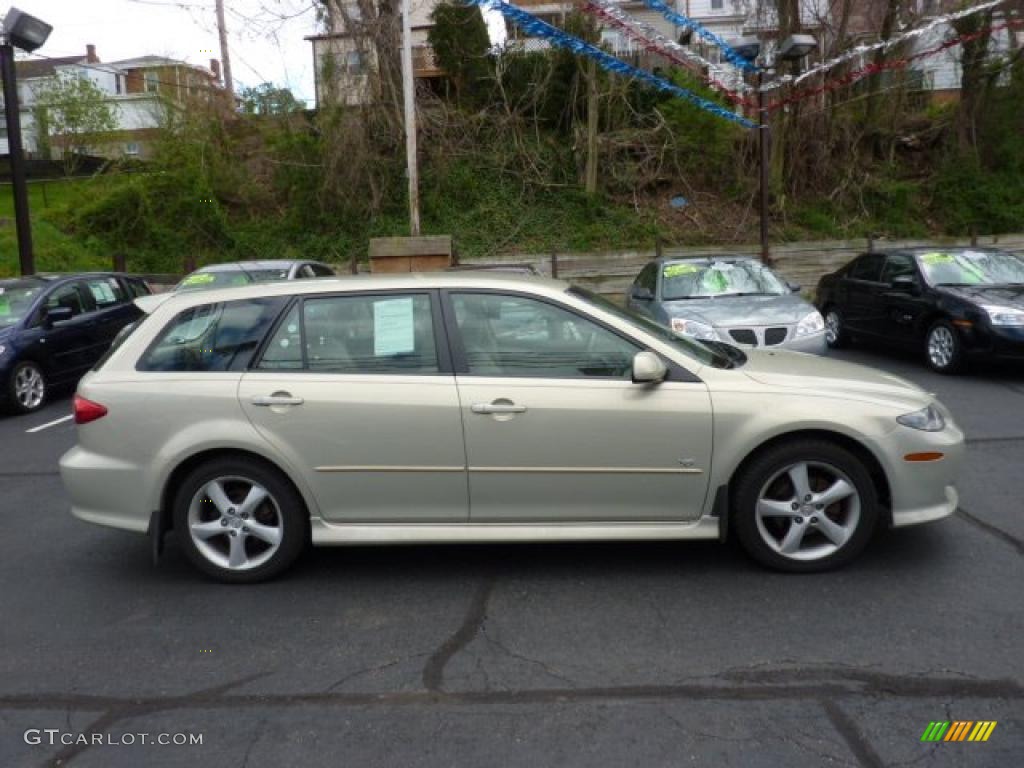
{"x": 967, "y": 267}
{"x": 690, "y": 280}
{"x": 716, "y": 355}
{"x": 204, "y": 281}
{"x": 16, "y": 297}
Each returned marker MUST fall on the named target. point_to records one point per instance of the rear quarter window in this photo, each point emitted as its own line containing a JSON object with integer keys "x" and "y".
{"x": 212, "y": 337}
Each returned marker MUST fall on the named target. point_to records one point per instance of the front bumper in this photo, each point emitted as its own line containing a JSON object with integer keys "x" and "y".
{"x": 922, "y": 491}
{"x": 999, "y": 341}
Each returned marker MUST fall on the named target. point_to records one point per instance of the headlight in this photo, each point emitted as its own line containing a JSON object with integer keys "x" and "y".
{"x": 928, "y": 419}
{"x": 813, "y": 323}
{"x": 2, "y": 349}
{"x": 693, "y": 329}
{"x": 1004, "y": 315}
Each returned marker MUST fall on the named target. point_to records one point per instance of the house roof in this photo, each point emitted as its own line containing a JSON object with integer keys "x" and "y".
{"x": 142, "y": 62}
{"x": 27, "y": 68}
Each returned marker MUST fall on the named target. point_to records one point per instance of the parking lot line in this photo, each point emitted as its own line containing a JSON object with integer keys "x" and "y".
{"x": 48, "y": 424}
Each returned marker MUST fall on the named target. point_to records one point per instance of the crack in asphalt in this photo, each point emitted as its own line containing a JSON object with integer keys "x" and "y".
{"x": 847, "y": 728}
{"x": 123, "y": 709}
{"x": 992, "y": 530}
{"x": 476, "y": 614}
{"x": 870, "y": 684}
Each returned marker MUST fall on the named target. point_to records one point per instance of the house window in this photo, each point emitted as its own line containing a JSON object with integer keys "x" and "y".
{"x": 152, "y": 83}
{"x": 131, "y": 149}
{"x": 354, "y": 63}
{"x": 117, "y": 85}
{"x": 717, "y": 5}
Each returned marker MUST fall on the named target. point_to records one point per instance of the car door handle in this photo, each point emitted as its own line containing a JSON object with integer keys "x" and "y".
{"x": 278, "y": 398}
{"x": 497, "y": 408}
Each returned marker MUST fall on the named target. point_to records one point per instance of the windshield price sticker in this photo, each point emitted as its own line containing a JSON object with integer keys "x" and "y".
{"x": 675, "y": 270}
{"x": 936, "y": 258}
{"x": 201, "y": 278}
{"x": 5, "y": 306}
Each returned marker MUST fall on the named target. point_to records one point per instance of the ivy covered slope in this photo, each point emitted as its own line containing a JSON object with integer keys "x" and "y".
{"x": 507, "y": 164}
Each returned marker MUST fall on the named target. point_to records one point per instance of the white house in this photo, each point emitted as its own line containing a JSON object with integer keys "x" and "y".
{"x": 139, "y": 90}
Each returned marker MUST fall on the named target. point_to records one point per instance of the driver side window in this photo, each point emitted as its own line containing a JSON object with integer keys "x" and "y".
{"x": 516, "y": 336}
{"x": 66, "y": 296}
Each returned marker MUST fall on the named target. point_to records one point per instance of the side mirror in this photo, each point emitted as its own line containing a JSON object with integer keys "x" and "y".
{"x": 904, "y": 284}
{"x": 640, "y": 293}
{"x": 795, "y": 287}
{"x": 57, "y": 315}
{"x": 648, "y": 368}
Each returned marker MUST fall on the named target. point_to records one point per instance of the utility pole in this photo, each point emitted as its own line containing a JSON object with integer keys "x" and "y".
{"x": 762, "y": 150}
{"x": 590, "y": 182}
{"x": 17, "y": 158}
{"x": 409, "y": 98}
{"x": 225, "y": 57}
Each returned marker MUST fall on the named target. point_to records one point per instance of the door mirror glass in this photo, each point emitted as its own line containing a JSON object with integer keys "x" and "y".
{"x": 648, "y": 368}
{"x": 794, "y": 287}
{"x": 641, "y": 293}
{"x": 57, "y": 315}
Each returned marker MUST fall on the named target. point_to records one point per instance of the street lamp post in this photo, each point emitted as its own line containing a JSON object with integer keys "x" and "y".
{"x": 793, "y": 48}
{"x": 28, "y": 33}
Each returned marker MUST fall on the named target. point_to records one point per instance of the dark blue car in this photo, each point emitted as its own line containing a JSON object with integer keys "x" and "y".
{"x": 53, "y": 328}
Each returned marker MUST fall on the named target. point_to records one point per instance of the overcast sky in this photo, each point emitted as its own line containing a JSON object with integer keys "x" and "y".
{"x": 265, "y": 36}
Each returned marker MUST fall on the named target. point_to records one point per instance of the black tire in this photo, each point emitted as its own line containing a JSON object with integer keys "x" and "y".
{"x": 285, "y": 511}
{"x": 947, "y": 356}
{"x": 766, "y": 467}
{"x": 839, "y": 337}
{"x": 26, "y": 367}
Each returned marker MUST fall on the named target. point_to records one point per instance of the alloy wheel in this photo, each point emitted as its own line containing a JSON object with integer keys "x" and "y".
{"x": 941, "y": 346}
{"x": 832, "y": 326}
{"x": 235, "y": 523}
{"x": 808, "y": 510}
{"x": 29, "y": 387}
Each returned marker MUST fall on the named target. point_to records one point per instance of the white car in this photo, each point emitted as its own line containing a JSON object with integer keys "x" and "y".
{"x": 482, "y": 407}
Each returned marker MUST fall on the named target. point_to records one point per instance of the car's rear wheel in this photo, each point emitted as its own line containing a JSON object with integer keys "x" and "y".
{"x": 943, "y": 349}
{"x": 239, "y": 520}
{"x": 28, "y": 388}
{"x": 836, "y": 335}
{"x": 803, "y": 506}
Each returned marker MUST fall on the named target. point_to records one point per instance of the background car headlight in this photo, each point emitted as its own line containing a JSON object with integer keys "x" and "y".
{"x": 1004, "y": 315}
{"x": 2, "y": 350}
{"x": 693, "y": 329}
{"x": 812, "y": 323}
{"x": 928, "y": 419}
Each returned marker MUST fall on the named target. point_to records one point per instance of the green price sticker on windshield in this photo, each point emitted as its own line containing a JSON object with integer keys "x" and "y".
{"x": 935, "y": 258}
{"x": 199, "y": 279}
{"x": 5, "y": 306}
{"x": 675, "y": 270}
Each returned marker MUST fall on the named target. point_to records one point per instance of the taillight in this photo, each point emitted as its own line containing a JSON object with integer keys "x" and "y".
{"x": 87, "y": 410}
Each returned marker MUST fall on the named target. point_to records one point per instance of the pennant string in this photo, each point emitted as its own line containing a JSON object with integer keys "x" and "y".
{"x": 728, "y": 52}
{"x": 541, "y": 29}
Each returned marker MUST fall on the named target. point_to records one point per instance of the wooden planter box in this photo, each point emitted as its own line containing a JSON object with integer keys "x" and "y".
{"x": 410, "y": 254}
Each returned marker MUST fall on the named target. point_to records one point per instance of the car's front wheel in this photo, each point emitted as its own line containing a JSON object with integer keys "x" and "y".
{"x": 943, "y": 349}
{"x": 28, "y": 388}
{"x": 836, "y": 335}
{"x": 239, "y": 520}
{"x": 807, "y": 505}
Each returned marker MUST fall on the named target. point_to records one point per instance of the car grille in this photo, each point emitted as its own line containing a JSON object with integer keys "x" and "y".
{"x": 759, "y": 337}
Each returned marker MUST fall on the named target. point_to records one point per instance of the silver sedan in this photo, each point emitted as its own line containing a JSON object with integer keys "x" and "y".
{"x": 734, "y": 299}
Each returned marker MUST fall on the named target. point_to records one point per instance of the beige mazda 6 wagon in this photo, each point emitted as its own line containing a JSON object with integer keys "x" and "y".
{"x": 486, "y": 408}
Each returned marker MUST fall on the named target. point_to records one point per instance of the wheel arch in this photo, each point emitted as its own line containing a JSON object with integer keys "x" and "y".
{"x": 162, "y": 517}
{"x": 858, "y": 449}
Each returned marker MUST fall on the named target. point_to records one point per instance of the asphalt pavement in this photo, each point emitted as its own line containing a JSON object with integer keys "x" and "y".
{"x": 570, "y": 655}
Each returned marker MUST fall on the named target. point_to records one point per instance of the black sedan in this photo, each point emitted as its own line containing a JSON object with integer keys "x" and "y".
{"x": 53, "y": 328}
{"x": 950, "y": 303}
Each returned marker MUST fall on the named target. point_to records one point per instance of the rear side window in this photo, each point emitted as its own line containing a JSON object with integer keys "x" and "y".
{"x": 356, "y": 334}
{"x": 867, "y": 267}
{"x": 137, "y": 287}
{"x": 212, "y": 337}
